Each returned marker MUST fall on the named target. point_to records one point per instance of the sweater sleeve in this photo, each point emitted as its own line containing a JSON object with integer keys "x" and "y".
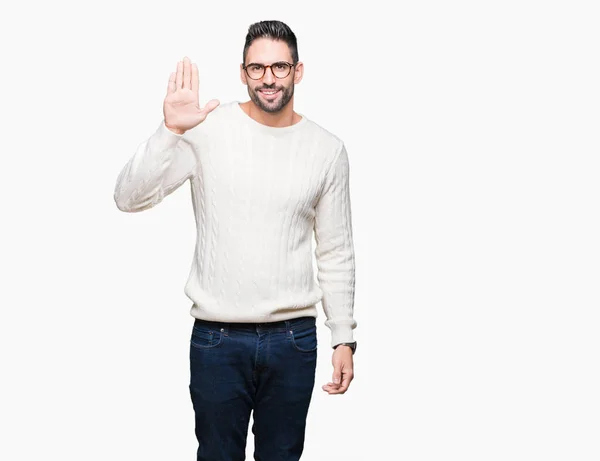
{"x": 335, "y": 250}
{"x": 159, "y": 166}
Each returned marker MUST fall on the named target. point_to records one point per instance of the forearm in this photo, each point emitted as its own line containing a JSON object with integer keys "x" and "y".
{"x": 337, "y": 281}
{"x": 160, "y": 165}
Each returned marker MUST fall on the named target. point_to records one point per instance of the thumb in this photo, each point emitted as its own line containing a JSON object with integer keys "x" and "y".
{"x": 337, "y": 374}
{"x": 210, "y": 106}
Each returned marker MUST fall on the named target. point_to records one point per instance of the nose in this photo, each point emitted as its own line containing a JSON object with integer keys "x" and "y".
{"x": 268, "y": 77}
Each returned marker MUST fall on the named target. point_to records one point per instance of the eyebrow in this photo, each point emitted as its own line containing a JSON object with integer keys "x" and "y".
{"x": 263, "y": 64}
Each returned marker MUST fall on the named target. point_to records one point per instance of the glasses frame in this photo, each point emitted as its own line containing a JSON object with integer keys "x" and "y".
{"x": 265, "y": 69}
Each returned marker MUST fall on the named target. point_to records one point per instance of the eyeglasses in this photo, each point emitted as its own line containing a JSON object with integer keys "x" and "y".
{"x": 280, "y": 69}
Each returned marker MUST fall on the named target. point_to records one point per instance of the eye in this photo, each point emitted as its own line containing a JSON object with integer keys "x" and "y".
{"x": 281, "y": 66}
{"x": 255, "y": 67}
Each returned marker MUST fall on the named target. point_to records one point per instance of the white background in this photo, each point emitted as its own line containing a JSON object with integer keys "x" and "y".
{"x": 472, "y": 133}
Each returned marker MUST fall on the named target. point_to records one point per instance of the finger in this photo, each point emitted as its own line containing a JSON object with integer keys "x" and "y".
{"x": 210, "y": 106}
{"x": 195, "y": 79}
{"x": 337, "y": 391}
{"x": 179, "y": 79}
{"x": 187, "y": 80}
{"x": 343, "y": 387}
{"x": 331, "y": 385}
{"x": 171, "y": 86}
{"x": 347, "y": 376}
{"x": 332, "y": 391}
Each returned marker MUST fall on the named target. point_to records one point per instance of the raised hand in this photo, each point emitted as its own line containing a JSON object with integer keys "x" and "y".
{"x": 181, "y": 107}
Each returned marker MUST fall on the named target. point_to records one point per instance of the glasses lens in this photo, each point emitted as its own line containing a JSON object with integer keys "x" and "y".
{"x": 255, "y": 71}
{"x": 281, "y": 69}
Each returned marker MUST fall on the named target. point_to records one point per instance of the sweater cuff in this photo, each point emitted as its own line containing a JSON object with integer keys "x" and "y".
{"x": 342, "y": 333}
{"x": 164, "y": 138}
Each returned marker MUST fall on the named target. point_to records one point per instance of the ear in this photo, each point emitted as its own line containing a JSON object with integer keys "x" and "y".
{"x": 243, "y": 76}
{"x": 298, "y": 72}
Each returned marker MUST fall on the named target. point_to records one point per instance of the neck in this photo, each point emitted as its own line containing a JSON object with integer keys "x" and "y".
{"x": 283, "y": 118}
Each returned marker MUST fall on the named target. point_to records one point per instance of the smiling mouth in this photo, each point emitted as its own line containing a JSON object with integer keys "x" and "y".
{"x": 269, "y": 92}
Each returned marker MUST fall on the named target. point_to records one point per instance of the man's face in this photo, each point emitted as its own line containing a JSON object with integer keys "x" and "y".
{"x": 266, "y": 51}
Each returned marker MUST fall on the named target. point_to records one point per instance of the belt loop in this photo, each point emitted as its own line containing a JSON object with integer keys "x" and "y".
{"x": 288, "y": 325}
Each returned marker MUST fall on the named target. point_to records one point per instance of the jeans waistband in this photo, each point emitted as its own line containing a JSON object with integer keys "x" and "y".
{"x": 281, "y": 325}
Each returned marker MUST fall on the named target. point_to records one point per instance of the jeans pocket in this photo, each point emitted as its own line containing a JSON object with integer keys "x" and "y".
{"x": 204, "y": 337}
{"x": 304, "y": 339}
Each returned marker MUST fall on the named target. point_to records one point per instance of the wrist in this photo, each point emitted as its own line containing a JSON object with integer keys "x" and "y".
{"x": 351, "y": 346}
{"x": 174, "y": 130}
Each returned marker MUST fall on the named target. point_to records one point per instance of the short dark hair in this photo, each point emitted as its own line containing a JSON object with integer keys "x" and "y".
{"x": 275, "y": 30}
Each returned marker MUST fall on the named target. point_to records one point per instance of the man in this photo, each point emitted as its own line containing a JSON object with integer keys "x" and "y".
{"x": 263, "y": 177}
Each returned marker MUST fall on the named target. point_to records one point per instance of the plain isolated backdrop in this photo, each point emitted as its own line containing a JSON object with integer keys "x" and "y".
{"x": 472, "y": 133}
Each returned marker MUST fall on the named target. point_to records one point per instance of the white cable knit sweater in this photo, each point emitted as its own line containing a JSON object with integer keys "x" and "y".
{"x": 257, "y": 192}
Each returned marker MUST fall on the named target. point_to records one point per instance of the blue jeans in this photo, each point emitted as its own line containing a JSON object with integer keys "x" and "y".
{"x": 237, "y": 368}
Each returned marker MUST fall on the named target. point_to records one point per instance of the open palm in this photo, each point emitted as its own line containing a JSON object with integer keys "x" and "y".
{"x": 181, "y": 107}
